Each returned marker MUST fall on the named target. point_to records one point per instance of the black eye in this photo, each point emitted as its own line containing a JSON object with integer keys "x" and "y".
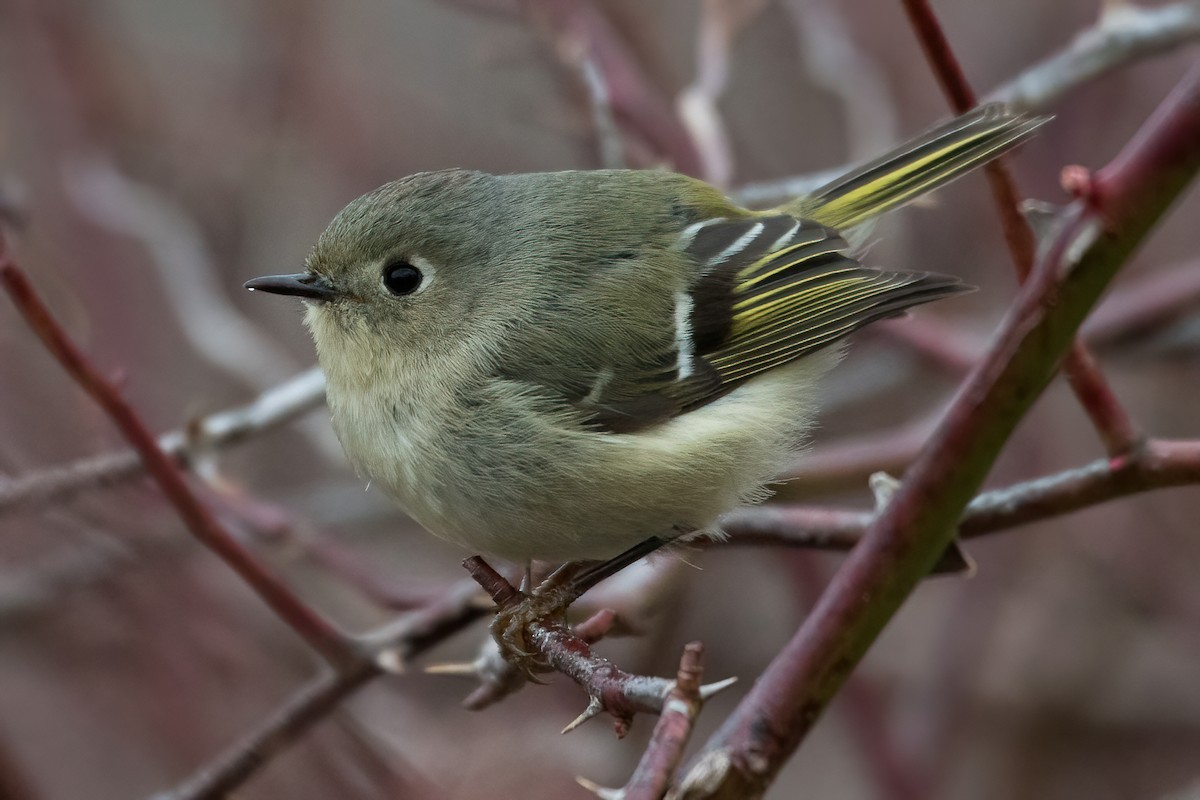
{"x": 401, "y": 278}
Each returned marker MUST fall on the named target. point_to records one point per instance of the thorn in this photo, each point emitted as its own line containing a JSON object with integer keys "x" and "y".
{"x": 713, "y": 689}
{"x": 883, "y": 486}
{"x": 1044, "y": 218}
{"x": 465, "y": 669}
{"x": 390, "y": 661}
{"x": 594, "y": 707}
{"x": 971, "y": 567}
{"x": 602, "y": 792}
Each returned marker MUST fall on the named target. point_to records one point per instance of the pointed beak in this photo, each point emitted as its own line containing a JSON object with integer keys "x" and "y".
{"x": 302, "y": 284}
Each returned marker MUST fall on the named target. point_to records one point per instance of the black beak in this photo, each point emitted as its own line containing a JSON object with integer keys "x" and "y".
{"x": 302, "y": 284}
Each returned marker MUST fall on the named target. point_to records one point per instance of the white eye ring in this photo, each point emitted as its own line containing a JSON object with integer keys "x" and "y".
{"x": 427, "y": 269}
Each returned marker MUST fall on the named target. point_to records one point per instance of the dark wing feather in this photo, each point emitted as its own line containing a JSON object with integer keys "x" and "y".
{"x": 769, "y": 290}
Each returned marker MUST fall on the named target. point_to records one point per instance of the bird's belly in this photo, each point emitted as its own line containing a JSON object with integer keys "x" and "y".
{"x": 514, "y": 484}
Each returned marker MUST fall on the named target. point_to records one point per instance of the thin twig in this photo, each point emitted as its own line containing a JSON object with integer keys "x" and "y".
{"x": 322, "y": 636}
{"x": 656, "y": 769}
{"x": 406, "y": 639}
{"x": 1124, "y": 32}
{"x": 1114, "y": 425}
{"x": 1160, "y": 464}
{"x": 609, "y": 688}
{"x": 277, "y": 405}
{"x": 1123, "y": 35}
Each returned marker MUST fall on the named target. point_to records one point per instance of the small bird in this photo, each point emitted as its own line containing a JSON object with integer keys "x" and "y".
{"x": 558, "y": 366}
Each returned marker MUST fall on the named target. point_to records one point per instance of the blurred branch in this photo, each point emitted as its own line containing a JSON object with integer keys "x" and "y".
{"x": 32, "y": 585}
{"x": 1110, "y": 419}
{"x": 384, "y": 652}
{"x": 1145, "y": 306}
{"x": 1122, "y": 203}
{"x": 583, "y": 25}
{"x": 298, "y": 395}
{"x": 1160, "y": 464}
{"x": 1124, "y": 34}
{"x": 216, "y": 330}
{"x": 14, "y": 783}
{"x": 837, "y": 64}
{"x": 608, "y": 135}
{"x": 164, "y": 469}
{"x": 720, "y": 23}
{"x": 847, "y": 462}
{"x": 354, "y": 660}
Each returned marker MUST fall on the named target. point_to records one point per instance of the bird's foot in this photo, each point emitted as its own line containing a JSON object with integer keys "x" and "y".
{"x": 547, "y": 604}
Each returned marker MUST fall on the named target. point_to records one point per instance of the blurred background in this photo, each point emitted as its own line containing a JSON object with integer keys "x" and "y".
{"x": 154, "y": 155}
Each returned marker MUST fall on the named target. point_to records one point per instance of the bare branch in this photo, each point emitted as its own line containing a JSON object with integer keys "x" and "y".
{"x": 906, "y": 540}
{"x": 1160, "y": 464}
{"x": 656, "y": 770}
{"x": 407, "y": 638}
{"x": 275, "y": 406}
{"x": 190, "y": 281}
{"x": 1125, "y": 32}
{"x": 634, "y": 100}
{"x": 1114, "y": 425}
{"x": 720, "y": 23}
{"x": 164, "y": 470}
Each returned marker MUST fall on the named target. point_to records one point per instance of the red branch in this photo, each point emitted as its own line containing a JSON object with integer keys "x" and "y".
{"x": 1110, "y": 419}
{"x": 656, "y": 769}
{"x": 315, "y": 630}
{"x": 905, "y": 541}
{"x": 609, "y": 688}
{"x": 632, "y": 96}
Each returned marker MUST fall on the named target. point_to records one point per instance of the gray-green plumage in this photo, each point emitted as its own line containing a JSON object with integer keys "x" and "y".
{"x": 590, "y": 359}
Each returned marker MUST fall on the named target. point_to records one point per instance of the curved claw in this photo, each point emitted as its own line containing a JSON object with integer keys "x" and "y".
{"x": 510, "y": 628}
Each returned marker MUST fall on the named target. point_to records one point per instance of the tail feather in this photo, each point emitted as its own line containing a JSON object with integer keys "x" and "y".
{"x": 919, "y": 166}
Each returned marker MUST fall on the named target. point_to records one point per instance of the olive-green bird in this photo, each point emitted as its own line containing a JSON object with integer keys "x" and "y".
{"x": 558, "y": 366}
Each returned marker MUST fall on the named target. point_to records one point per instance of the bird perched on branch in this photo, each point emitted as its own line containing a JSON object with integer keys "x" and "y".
{"x": 560, "y": 366}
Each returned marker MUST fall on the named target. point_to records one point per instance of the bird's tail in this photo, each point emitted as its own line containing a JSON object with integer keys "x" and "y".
{"x": 918, "y": 166}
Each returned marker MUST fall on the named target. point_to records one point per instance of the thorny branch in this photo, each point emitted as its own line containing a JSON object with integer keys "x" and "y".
{"x": 900, "y": 546}
{"x": 656, "y": 770}
{"x": 1122, "y": 35}
{"x": 610, "y": 689}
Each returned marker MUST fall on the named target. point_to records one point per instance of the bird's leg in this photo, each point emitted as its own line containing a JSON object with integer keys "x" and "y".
{"x": 552, "y": 598}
